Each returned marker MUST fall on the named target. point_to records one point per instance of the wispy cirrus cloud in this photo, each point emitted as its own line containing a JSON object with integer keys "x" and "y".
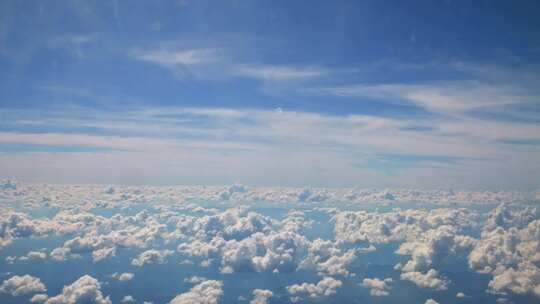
{"x": 171, "y": 58}
{"x": 280, "y": 73}
{"x": 208, "y": 61}
{"x": 250, "y": 141}
{"x": 444, "y": 97}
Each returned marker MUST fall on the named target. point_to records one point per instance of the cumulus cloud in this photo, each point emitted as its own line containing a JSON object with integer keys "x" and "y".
{"x": 326, "y": 287}
{"x": 431, "y": 301}
{"x": 430, "y": 279}
{"x": 296, "y": 221}
{"x": 326, "y": 258}
{"x": 509, "y": 249}
{"x": 22, "y": 285}
{"x": 32, "y": 255}
{"x": 195, "y": 279}
{"x": 397, "y": 225}
{"x": 507, "y": 216}
{"x": 16, "y": 225}
{"x": 207, "y": 292}
{"x": 122, "y": 277}
{"x": 460, "y": 295}
{"x": 378, "y": 287}
{"x": 433, "y": 246}
{"x": 127, "y": 299}
{"x": 228, "y": 193}
{"x": 84, "y": 290}
{"x": 39, "y": 298}
{"x": 261, "y": 296}
{"x": 525, "y": 279}
{"x": 152, "y": 256}
{"x": 277, "y": 252}
{"x": 240, "y": 240}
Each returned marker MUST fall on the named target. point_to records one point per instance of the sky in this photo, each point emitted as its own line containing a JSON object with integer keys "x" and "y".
{"x": 417, "y": 94}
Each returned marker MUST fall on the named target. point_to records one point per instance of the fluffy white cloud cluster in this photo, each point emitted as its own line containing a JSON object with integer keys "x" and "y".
{"x": 326, "y": 287}
{"x": 39, "y": 298}
{"x": 431, "y": 279}
{"x": 509, "y": 253}
{"x": 397, "y": 225}
{"x": 100, "y": 246}
{"x": 32, "y": 255}
{"x": 236, "y": 223}
{"x": 101, "y": 236}
{"x": 229, "y": 193}
{"x": 85, "y": 290}
{"x": 22, "y": 285}
{"x": 296, "y": 221}
{"x": 261, "y": 296}
{"x": 522, "y": 280}
{"x": 86, "y": 197}
{"x": 241, "y": 240}
{"x": 507, "y": 216}
{"x": 310, "y": 195}
{"x": 247, "y": 241}
{"x": 358, "y": 195}
{"x": 15, "y": 225}
{"x": 276, "y": 251}
{"x": 433, "y": 247}
{"x": 97, "y": 235}
{"x": 207, "y": 292}
{"x": 430, "y": 250}
{"x": 378, "y": 288}
{"x": 326, "y": 257}
{"x": 152, "y": 256}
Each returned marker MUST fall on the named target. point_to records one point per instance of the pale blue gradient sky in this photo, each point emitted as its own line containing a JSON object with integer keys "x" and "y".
{"x": 341, "y": 93}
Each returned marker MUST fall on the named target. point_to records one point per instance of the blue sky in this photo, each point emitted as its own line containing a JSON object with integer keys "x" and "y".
{"x": 341, "y": 93}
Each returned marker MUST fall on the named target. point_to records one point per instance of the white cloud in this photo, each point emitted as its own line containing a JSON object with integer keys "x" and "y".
{"x": 433, "y": 246}
{"x": 100, "y": 254}
{"x": 152, "y": 256}
{"x": 523, "y": 280}
{"x": 127, "y": 299}
{"x": 326, "y": 258}
{"x": 396, "y": 225}
{"x": 39, "y": 298}
{"x": 35, "y": 255}
{"x": 280, "y": 73}
{"x": 451, "y": 97}
{"x": 22, "y": 285}
{"x": 261, "y": 296}
{"x": 378, "y": 288}
{"x": 184, "y": 57}
{"x": 207, "y": 292}
{"x": 296, "y": 221}
{"x": 508, "y": 250}
{"x": 431, "y": 301}
{"x": 123, "y": 277}
{"x": 430, "y": 279}
{"x": 326, "y": 287}
{"x": 157, "y": 139}
{"x": 84, "y": 290}
{"x": 195, "y": 279}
